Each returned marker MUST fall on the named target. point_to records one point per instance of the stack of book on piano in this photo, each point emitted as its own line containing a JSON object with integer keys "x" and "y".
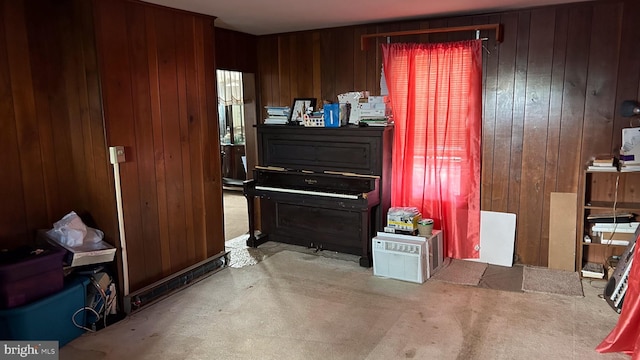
{"x": 374, "y": 111}
{"x": 604, "y": 164}
{"x": 278, "y": 115}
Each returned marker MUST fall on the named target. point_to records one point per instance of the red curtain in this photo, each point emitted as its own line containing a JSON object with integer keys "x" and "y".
{"x": 435, "y": 93}
{"x": 625, "y": 337}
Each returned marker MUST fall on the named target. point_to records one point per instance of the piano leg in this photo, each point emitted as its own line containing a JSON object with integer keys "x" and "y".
{"x": 253, "y": 240}
{"x": 365, "y": 261}
{"x": 365, "y": 239}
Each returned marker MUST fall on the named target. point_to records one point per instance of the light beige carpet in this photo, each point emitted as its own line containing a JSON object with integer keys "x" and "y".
{"x": 544, "y": 280}
{"x": 461, "y": 272}
{"x": 240, "y": 255}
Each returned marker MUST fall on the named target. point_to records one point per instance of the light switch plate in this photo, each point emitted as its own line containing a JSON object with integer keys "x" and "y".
{"x": 116, "y": 154}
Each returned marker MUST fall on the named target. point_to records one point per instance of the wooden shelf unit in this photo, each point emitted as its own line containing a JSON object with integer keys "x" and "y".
{"x": 604, "y": 193}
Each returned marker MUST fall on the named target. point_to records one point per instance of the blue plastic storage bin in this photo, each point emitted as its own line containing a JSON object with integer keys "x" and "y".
{"x": 48, "y": 319}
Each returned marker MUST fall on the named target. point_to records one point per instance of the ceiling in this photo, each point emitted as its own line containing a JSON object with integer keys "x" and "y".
{"x": 262, "y": 17}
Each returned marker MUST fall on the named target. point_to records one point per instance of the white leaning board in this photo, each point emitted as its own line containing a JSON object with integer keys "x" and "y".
{"x": 497, "y": 237}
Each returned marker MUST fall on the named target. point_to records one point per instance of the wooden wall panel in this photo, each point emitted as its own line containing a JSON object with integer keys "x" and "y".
{"x": 236, "y": 51}
{"x": 97, "y": 172}
{"x": 536, "y": 127}
{"x": 211, "y": 202}
{"x": 495, "y": 184}
{"x": 24, "y": 108}
{"x": 629, "y": 67}
{"x": 490, "y": 116}
{"x": 13, "y": 221}
{"x": 148, "y": 185}
{"x": 159, "y": 94}
{"x": 286, "y": 50}
{"x": 553, "y": 135}
{"x": 517, "y": 125}
{"x": 551, "y": 92}
{"x": 602, "y": 75}
{"x": 157, "y": 67}
{"x": 53, "y": 148}
{"x": 328, "y": 64}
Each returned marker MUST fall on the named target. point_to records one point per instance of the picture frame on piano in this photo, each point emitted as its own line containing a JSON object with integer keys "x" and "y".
{"x": 299, "y": 108}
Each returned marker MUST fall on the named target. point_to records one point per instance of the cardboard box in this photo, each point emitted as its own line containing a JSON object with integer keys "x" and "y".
{"x": 85, "y": 254}
{"x": 408, "y": 258}
{"x": 403, "y": 218}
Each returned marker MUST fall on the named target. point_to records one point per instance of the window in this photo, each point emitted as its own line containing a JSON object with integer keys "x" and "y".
{"x": 230, "y": 107}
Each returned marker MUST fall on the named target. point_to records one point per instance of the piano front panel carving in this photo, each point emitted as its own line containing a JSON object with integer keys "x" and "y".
{"x": 307, "y": 224}
{"x": 320, "y": 150}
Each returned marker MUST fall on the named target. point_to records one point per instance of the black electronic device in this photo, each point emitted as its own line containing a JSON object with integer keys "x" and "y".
{"x": 616, "y": 287}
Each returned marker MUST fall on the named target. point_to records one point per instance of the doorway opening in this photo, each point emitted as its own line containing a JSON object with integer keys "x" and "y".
{"x": 232, "y": 124}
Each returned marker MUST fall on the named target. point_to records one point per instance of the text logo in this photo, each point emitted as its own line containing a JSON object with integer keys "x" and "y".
{"x": 32, "y": 350}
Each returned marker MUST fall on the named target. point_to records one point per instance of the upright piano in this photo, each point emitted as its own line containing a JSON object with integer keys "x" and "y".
{"x": 324, "y": 188}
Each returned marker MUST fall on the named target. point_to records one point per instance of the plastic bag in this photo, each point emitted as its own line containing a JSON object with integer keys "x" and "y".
{"x": 70, "y": 230}
{"x": 93, "y": 236}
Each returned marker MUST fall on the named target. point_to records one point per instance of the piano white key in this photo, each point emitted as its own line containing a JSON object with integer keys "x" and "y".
{"x": 307, "y": 192}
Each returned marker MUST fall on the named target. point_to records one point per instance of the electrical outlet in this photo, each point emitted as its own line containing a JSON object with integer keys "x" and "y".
{"x": 116, "y": 154}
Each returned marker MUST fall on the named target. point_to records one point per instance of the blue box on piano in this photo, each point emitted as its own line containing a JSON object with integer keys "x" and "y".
{"x": 331, "y": 115}
{"x": 336, "y": 115}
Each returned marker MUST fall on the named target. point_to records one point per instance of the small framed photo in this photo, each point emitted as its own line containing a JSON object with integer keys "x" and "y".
{"x": 299, "y": 108}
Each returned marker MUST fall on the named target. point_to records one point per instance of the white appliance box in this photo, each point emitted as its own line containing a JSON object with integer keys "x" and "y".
{"x": 406, "y": 257}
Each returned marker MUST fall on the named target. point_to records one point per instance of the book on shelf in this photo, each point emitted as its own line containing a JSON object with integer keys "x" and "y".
{"x": 615, "y": 235}
{"x": 606, "y": 241}
{"x": 272, "y": 120}
{"x": 629, "y": 168}
{"x": 277, "y": 110}
{"x": 628, "y": 228}
{"x": 611, "y": 218}
{"x": 602, "y": 168}
{"x": 604, "y": 161}
{"x": 593, "y": 270}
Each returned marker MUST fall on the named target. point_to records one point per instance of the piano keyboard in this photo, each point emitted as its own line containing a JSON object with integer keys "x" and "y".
{"x": 307, "y": 192}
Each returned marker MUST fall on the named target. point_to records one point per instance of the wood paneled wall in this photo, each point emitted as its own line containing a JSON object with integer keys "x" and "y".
{"x": 551, "y": 94}
{"x": 151, "y": 72}
{"x": 53, "y": 155}
{"x": 158, "y": 83}
{"x": 236, "y": 51}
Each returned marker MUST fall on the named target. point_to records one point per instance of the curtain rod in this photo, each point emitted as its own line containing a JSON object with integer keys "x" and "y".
{"x": 496, "y": 27}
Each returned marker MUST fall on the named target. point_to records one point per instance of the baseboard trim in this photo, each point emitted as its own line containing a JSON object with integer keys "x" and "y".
{"x": 162, "y": 288}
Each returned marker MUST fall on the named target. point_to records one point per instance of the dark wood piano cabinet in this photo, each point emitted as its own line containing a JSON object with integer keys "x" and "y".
{"x": 326, "y": 188}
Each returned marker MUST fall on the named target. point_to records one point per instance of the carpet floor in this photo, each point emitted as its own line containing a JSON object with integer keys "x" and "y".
{"x": 305, "y": 305}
